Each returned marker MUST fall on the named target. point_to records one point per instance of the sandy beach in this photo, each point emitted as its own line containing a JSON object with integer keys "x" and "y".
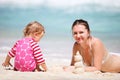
{"x": 57, "y": 17}
{"x": 55, "y": 72}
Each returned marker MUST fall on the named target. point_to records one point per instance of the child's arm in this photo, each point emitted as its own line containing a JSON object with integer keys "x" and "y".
{"x": 9, "y": 56}
{"x": 7, "y": 62}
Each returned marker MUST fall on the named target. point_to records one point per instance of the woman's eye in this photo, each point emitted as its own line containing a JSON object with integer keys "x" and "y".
{"x": 74, "y": 33}
{"x": 81, "y": 32}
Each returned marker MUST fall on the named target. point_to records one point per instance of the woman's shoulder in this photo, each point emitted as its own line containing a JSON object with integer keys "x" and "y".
{"x": 96, "y": 40}
{"x": 98, "y": 45}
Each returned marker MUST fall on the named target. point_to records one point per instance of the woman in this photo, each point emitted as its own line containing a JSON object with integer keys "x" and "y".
{"x": 94, "y": 54}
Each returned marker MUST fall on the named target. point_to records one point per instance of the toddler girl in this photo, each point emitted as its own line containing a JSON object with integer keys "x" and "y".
{"x": 26, "y": 51}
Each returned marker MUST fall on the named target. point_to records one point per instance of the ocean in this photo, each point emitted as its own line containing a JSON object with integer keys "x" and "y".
{"x": 58, "y": 41}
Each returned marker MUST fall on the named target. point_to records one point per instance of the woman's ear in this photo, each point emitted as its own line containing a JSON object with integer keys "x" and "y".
{"x": 89, "y": 34}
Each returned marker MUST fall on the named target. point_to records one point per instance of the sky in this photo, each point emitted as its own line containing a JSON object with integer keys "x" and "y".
{"x": 62, "y": 4}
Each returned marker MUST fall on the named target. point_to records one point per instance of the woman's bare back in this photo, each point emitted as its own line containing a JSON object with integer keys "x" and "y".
{"x": 112, "y": 64}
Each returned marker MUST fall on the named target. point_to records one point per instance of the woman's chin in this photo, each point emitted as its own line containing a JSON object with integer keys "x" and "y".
{"x": 79, "y": 42}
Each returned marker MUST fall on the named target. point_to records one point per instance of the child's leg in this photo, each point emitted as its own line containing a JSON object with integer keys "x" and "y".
{"x": 15, "y": 69}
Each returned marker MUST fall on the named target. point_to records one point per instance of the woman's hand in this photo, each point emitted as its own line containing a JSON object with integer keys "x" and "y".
{"x": 68, "y": 68}
{"x": 91, "y": 69}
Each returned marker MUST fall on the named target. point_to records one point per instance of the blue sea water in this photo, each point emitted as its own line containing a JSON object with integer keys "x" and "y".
{"x": 58, "y": 40}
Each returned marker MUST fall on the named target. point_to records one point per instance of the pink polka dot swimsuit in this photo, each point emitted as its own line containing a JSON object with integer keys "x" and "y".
{"x": 27, "y": 54}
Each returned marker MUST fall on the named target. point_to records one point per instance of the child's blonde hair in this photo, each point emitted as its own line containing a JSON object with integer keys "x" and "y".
{"x": 33, "y": 27}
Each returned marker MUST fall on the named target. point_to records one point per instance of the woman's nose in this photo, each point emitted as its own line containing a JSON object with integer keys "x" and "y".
{"x": 78, "y": 35}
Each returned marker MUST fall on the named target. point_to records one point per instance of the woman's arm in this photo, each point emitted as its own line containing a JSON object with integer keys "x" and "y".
{"x": 98, "y": 53}
{"x": 71, "y": 67}
{"x": 72, "y": 60}
{"x": 75, "y": 49}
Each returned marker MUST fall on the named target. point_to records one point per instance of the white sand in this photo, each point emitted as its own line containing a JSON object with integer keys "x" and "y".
{"x": 55, "y": 72}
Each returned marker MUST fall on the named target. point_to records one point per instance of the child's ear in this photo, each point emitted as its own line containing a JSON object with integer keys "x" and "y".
{"x": 35, "y": 34}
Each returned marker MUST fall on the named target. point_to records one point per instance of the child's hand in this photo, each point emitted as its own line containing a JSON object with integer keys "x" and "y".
{"x": 7, "y": 64}
{"x": 44, "y": 67}
{"x": 38, "y": 68}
